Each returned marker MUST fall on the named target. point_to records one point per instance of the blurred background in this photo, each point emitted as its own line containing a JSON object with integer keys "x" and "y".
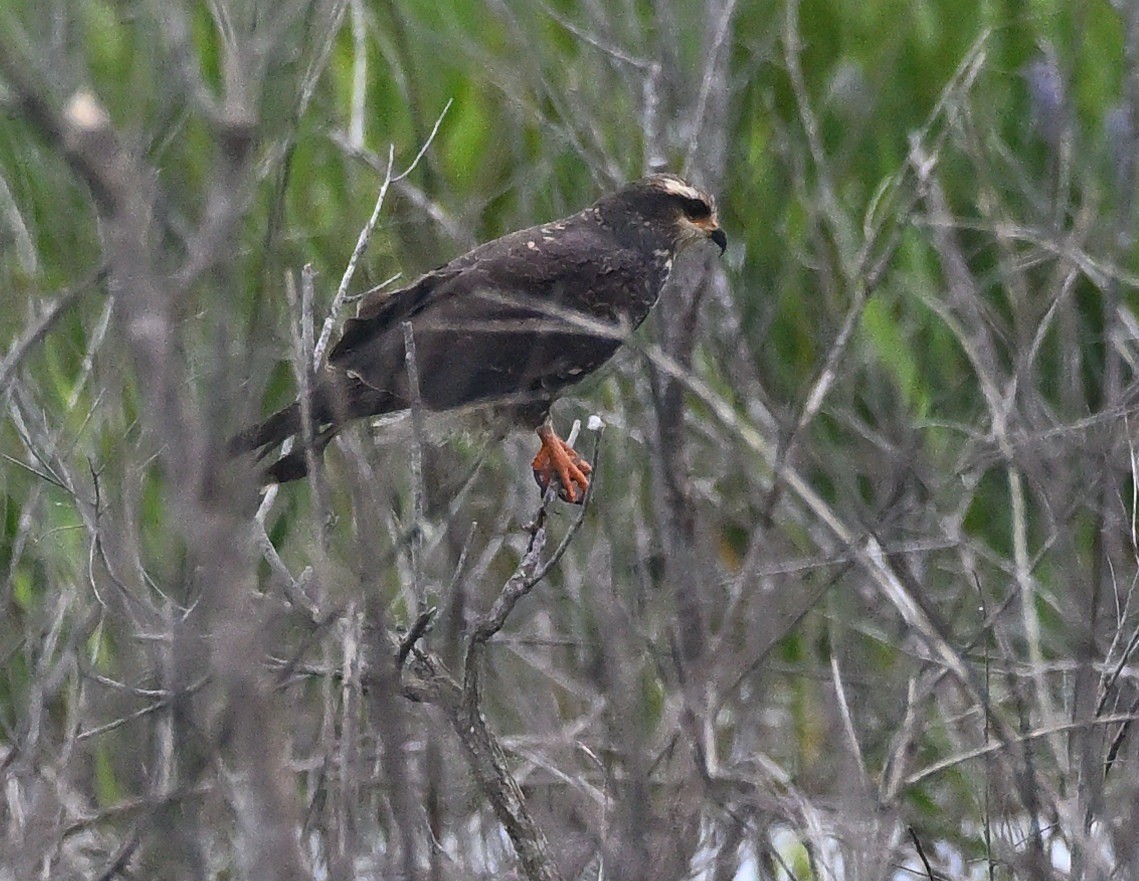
{"x": 852, "y": 598}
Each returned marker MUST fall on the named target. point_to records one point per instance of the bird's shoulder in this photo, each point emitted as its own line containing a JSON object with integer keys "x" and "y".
{"x": 383, "y": 309}
{"x": 549, "y": 251}
{"x": 534, "y": 260}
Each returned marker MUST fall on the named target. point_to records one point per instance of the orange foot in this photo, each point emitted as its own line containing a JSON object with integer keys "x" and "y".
{"x": 557, "y": 460}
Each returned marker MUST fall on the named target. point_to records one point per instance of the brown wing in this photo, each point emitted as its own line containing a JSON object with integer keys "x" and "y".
{"x": 511, "y": 322}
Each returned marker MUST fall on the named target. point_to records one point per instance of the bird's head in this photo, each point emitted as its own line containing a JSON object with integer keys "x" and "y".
{"x": 671, "y": 207}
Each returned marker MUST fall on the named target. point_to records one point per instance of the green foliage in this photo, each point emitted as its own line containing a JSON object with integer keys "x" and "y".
{"x": 884, "y": 337}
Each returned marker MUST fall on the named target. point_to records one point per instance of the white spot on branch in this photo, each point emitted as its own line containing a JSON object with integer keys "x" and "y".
{"x": 85, "y": 113}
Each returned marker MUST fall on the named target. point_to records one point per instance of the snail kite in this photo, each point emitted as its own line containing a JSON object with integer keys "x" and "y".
{"x": 506, "y": 326}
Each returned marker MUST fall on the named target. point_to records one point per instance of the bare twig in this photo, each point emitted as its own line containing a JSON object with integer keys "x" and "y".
{"x": 998, "y": 747}
{"x": 38, "y": 329}
{"x": 712, "y": 79}
{"x": 359, "y": 75}
{"x": 487, "y": 760}
{"x": 418, "y": 448}
{"x": 303, "y": 370}
{"x": 519, "y": 585}
{"x": 415, "y": 633}
{"x": 366, "y": 236}
{"x": 350, "y": 270}
{"x": 882, "y": 228}
{"x": 528, "y": 573}
{"x": 921, "y": 852}
{"x": 596, "y": 41}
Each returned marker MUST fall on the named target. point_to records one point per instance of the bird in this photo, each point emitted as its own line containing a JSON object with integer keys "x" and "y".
{"x": 504, "y": 328}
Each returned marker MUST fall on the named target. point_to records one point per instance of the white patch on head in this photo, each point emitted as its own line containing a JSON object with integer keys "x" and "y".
{"x": 676, "y": 187}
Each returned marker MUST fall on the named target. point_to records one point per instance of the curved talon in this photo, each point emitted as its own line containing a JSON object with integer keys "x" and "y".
{"x": 557, "y": 460}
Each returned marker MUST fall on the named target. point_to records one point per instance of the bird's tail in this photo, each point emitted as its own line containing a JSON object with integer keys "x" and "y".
{"x": 266, "y": 436}
{"x": 271, "y": 433}
{"x": 294, "y": 464}
{"x": 332, "y": 406}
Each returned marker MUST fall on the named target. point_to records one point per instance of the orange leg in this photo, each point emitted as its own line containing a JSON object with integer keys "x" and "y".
{"x": 558, "y": 460}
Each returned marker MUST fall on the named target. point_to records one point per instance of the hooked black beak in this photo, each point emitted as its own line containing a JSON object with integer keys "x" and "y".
{"x": 718, "y": 236}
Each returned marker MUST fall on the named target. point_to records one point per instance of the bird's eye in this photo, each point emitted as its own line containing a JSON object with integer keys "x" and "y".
{"x": 696, "y": 209}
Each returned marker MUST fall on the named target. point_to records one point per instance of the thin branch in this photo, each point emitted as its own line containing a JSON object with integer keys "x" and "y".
{"x": 484, "y": 752}
{"x": 487, "y": 761}
{"x": 528, "y": 573}
{"x": 1043, "y": 731}
{"x": 712, "y": 78}
{"x": 921, "y": 852}
{"x": 366, "y": 236}
{"x": 517, "y": 587}
{"x": 350, "y": 270}
{"x": 426, "y": 144}
{"x": 418, "y": 448}
{"x": 303, "y": 362}
{"x": 418, "y": 630}
{"x": 359, "y": 75}
{"x": 38, "y": 329}
{"x": 602, "y": 45}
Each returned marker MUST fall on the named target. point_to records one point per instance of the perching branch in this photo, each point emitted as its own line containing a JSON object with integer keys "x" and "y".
{"x": 462, "y": 705}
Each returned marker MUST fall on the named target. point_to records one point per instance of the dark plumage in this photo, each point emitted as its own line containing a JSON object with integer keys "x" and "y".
{"x": 506, "y": 326}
